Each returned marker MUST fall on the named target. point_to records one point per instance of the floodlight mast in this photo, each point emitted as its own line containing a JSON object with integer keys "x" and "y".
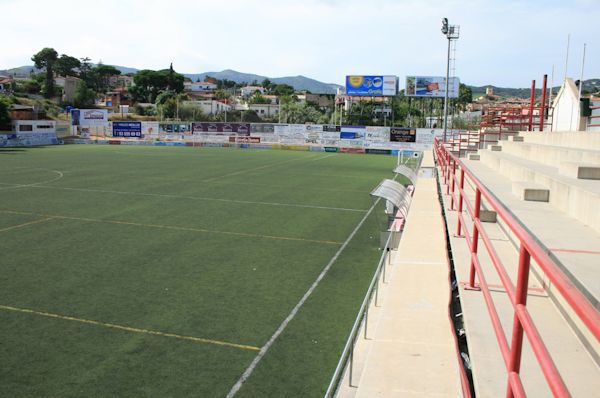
{"x": 451, "y": 32}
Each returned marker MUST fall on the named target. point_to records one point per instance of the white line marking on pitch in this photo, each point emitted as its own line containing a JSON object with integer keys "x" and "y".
{"x": 236, "y": 387}
{"x": 161, "y": 195}
{"x": 60, "y": 175}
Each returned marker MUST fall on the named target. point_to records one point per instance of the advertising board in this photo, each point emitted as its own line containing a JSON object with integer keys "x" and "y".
{"x": 402, "y": 134}
{"x": 371, "y": 85}
{"x": 89, "y": 117}
{"x": 127, "y": 129}
{"x": 431, "y": 86}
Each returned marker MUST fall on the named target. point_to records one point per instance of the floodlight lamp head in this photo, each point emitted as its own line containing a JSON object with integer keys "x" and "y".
{"x": 445, "y": 26}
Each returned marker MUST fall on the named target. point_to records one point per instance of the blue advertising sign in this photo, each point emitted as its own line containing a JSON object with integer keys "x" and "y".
{"x": 371, "y": 85}
{"x": 127, "y": 129}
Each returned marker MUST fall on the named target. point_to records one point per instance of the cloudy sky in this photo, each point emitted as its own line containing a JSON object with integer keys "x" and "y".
{"x": 503, "y": 42}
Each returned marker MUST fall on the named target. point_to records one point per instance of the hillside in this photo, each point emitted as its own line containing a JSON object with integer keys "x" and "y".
{"x": 299, "y": 83}
{"x": 314, "y": 86}
{"x": 591, "y": 85}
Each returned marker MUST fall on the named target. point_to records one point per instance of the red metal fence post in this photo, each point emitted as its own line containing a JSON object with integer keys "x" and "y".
{"x": 453, "y": 184}
{"x": 460, "y": 202}
{"x": 516, "y": 345}
{"x": 531, "y": 103}
{"x": 448, "y": 175}
{"x": 475, "y": 240}
{"x": 543, "y": 107}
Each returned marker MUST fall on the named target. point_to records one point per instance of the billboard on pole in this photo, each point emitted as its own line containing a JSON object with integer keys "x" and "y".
{"x": 431, "y": 86}
{"x": 371, "y": 85}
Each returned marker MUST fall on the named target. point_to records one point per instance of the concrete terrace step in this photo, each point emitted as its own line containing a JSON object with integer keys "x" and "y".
{"x": 576, "y": 354}
{"x": 570, "y": 139}
{"x": 578, "y": 198}
{"x": 572, "y": 244}
{"x": 549, "y": 154}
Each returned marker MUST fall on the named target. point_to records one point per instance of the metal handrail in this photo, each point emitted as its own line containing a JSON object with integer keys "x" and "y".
{"x": 348, "y": 352}
{"x": 529, "y": 248}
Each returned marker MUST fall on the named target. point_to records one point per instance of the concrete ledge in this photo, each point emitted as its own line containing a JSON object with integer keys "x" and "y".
{"x": 580, "y": 171}
{"x": 495, "y": 148}
{"x": 530, "y": 191}
{"x": 474, "y": 156}
{"x": 487, "y": 216}
{"x": 570, "y": 139}
{"x": 516, "y": 138}
{"x": 551, "y": 155}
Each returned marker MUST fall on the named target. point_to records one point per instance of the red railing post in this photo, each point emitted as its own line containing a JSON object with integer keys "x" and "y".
{"x": 531, "y": 103}
{"x": 460, "y": 201}
{"x": 448, "y": 175}
{"x": 516, "y": 345}
{"x": 453, "y": 184}
{"x": 475, "y": 239}
{"x": 543, "y": 107}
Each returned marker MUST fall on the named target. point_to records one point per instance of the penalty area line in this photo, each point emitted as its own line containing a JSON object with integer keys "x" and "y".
{"x": 248, "y": 372}
{"x": 130, "y": 329}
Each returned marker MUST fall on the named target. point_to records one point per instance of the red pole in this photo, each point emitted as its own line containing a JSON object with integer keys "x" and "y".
{"x": 460, "y": 201}
{"x": 475, "y": 238}
{"x": 516, "y": 346}
{"x": 543, "y": 107}
{"x": 453, "y": 184}
{"x": 531, "y": 103}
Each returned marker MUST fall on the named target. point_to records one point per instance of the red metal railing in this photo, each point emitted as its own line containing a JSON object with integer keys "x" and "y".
{"x": 454, "y": 173}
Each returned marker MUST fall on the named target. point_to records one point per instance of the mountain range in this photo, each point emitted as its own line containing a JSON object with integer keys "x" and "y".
{"x": 302, "y": 83}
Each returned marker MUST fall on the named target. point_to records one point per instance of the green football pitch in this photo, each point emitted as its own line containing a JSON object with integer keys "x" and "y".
{"x": 174, "y": 272}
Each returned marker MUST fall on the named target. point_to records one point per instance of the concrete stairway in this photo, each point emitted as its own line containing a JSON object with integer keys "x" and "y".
{"x": 568, "y": 227}
{"x": 570, "y": 174}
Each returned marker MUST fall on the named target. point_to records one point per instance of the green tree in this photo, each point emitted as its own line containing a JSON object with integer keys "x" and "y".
{"x": 66, "y": 65}
{"x": 102, "y": 74}
{"x": 283, "y": 89}
{"x": 84, "y": 96}
{"x": 465, "y": 96}
{"x": 149, "y": 84}
{"x": 295, "y": 112}
{"x": 222, "y": 95}
{"x": 4, "y": 113}
{"x": 46, "y": 59}
{"x": 85, "y": 69}
{"x": 257, "y": 98}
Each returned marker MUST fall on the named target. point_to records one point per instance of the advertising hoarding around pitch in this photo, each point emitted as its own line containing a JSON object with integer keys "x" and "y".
{"x": 371, "y": 85}
{"x": 89, "y": 117}
{"x": 127, "y": 129}
{"x": 401, "y": 134}
{"x": 221, "y": 127}
{"x": 431, "y": 86}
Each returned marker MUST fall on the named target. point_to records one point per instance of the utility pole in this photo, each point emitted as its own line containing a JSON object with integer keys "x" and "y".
{"x": 452, "y": 33}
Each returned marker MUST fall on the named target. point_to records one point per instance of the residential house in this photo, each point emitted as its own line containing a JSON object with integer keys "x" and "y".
{"x": 210, "y": 106}
{"x": 5, "y": 83}
{"x": 197, "y": 87}
{"x": 249, "y": 90}
{"x": 264, "y": 110}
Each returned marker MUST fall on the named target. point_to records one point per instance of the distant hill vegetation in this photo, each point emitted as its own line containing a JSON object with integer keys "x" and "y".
{"x": 589, "y": 85}
{"x": 301, "y": 83}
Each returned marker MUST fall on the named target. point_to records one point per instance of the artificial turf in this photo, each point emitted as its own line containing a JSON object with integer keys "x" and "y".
{"x": 217, "y": 244}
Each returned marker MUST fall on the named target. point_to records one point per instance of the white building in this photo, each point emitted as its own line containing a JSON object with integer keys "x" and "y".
{"x": 199, "y": 86}
{"x": 566, "y": 114}
{"x": 249, "y": 90}
{"x": 210, "y": 107}
{"x": 264, "y": 110}
{"x": 34, "y": 126}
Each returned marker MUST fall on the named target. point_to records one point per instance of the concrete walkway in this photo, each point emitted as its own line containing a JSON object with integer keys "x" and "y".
{"x": 410, "y": 350}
